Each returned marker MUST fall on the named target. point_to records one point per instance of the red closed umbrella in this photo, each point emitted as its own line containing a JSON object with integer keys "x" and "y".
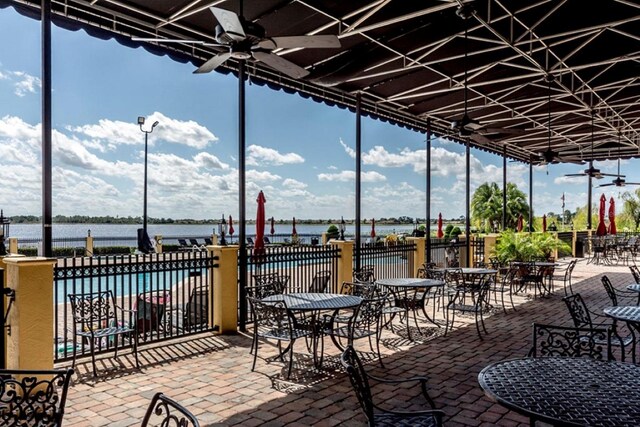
{"x": 612, "y": 217}
{"x": 544, "y": 223}
{"x": 231, "y": 230}
{"x": 258, "y": 248}
{"x": 602, "y": 229}
{"x": 273, "y": 227}
{"x": 519, "y": 224}
{"x": 440, "y": 233}
{"x": 373, "y": 227}
{"x": 293, "y": 231}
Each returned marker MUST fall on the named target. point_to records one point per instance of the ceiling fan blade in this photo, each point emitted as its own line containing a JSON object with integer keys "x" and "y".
{"x": 289, "y": 42}
{"x": 612, "y": 174}
{"x": 213, "y": 63}
{"x": 280, "y": 64}
{"x": 481, "y": 139}
{"x": 632, "y": 183}
{"x": 230, "y": 23}
{"x": 606, "y": 185}
{"x": 576, "y": 174}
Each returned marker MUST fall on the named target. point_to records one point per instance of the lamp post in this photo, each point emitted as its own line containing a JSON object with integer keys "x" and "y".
{"x": 141, "y": 121}
{"x": 343, "y": 227}
{"x": 222, "y": 230}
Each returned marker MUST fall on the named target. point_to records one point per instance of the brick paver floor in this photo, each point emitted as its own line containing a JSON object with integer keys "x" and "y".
{"x": 211, "y": 375}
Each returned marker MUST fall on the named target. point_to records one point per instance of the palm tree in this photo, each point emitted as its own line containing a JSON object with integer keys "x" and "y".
{"x": 486, "y": 205}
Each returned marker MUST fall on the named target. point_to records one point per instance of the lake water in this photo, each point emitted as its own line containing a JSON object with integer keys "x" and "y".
{"x": 34, "y": 231}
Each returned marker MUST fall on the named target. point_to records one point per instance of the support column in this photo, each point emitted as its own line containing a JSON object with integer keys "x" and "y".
{"x": 158, "y": 239}
{"x": 428, "y": 189}
{"x": 504, "y": 187}
{"x": 88, "y": 246}
{"x": 419, "y": 256}
{"x": 225, "y": 289}
{"x": 530, "y": 197}
{"x": 358, "y": 177}
{"x": 467, "y": 222}
{"x": 47, "y": 214}
{"x": 13, "y": 245}
{"x": 345, "y": 262}
{"x": 30, "y": 341}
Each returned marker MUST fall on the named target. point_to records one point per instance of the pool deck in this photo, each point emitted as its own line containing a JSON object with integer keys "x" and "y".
{"x": 211, "y": 374}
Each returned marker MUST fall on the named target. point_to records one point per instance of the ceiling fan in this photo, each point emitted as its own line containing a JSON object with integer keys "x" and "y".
{"x": 619, "y": 180}
{"x": 246, "y": 40}
{"x": 467, "y": 126}
{"x": 592, "y": 171}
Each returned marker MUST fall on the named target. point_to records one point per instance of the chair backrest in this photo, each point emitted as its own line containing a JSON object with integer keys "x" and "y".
{"x": 273, "y": 314}
{"x": 194, "y": 242}
{"x": 569, "y": 270}
{"x": 367, "y": 315}
{"x": 183, "y": 242}
{"x": 266, "y": 240}
{"x": 197, "y": 309}
{"x": 276, "y": 281}
{"x": 454, "y": 277}
{"x": 365, "y": 274}
{"x": 359, "y": 380}
{"x": 164, "y": 411}
{"x": 33, "y": 398}
{"x": 93, "y": 309}
{"x": 611, "y": 292}
{"x": 364, "y": 290}
{"x": 250, "y": 240}
{"x": 636, "y": 273}
{"x": 578, "y": 311}
{"x": 551, "y": 341}
{"x": 320, "y": 281}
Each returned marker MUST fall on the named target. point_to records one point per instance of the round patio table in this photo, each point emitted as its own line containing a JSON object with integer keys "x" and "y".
{"x": 566, "y": 390}
{"x": 401, "y": 288}
{"x": 635, "y": 287}
{"x": 314, "y": 303}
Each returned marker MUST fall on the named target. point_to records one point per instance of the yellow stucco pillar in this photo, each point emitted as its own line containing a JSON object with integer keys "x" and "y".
{"x": 13, "y": 245}
{"x": 420, "y": 254}
{"x": 30, "y": 343}
{"x": 225, "y": 289}
{"x": 88, "y": 247}
{"x": 490, "y": 241}
{"x": 345, "y": 262}
{"x": 158, "y": 239}
{"x": 574, "y": 239}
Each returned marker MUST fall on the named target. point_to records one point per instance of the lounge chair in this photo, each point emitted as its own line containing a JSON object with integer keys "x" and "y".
{"x": 266, "y": 240}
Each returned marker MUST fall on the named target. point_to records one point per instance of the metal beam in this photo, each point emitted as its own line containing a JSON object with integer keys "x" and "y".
{"x": 47, "y": 188}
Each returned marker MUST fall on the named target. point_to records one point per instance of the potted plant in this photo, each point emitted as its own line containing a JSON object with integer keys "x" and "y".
{"x": 333, "y": 232}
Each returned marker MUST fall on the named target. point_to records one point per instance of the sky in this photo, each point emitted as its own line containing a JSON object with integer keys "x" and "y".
{"x": 299, "y": 152}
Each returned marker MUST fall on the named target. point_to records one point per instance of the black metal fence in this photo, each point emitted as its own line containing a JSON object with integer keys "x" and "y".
{"x": 170, "y": 292}
{"x": 298, "y": 263}
{"x": 389, "y": 260}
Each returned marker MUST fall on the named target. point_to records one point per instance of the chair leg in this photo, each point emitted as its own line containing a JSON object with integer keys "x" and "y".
{"x": 254, "y": 347}
{"x": 93, "y": 356}
{"x": 135, "y": 349}
{"x": 75, "y": 345}
{"x": 290, "y": 358}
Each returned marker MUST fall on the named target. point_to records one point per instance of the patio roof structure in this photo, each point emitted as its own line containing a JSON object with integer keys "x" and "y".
{"x": 407, "y": 62}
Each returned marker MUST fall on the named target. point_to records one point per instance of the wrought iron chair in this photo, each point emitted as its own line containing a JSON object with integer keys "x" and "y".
{"x": 33, "y": 398}
{"x": 95, "y": 317}
{"x": 477, "y": 294}
{"x": 614, "y": 293}
{"x": 272, "y": 283}
{"x": 320, "y": 281}
{"x": 365, "y": 322}
{"x": 366, "y": 274}
{"x": 505, "y": 285}
{"x": 582, "y": 318}
{"x": 377, "y": 416}
{"x": 551, "y": 341}
{"x": 164, "y": 411}
{"x": 273, "y": 320}
{"x": 562, "y": 273}
{"x": 635, "y": 271}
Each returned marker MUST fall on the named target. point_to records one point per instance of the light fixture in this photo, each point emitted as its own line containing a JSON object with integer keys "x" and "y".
{"x": 141, "y": 122}
{"x": 222, "y": 230}
{"x": 343, "y": 227}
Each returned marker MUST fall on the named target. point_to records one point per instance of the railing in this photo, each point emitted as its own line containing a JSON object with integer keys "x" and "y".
{"x": 170, "y": 292}
{"x": 299, "y": 263}
{"x": 388, "y": 261}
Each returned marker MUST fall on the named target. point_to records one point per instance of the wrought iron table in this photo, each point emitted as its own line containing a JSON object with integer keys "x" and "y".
{"x": 635, "y": 287}
{"x": 401, "y": 288}
{"x": 630, "y": 315}
{"x": 566, "y": 390}
{"x": 314, "y": 303}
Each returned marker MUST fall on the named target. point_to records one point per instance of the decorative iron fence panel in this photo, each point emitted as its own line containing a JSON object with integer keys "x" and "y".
{"x": 299, "y": 263}
{"x": 170, "y": 291}
{"x": 389, "y": 261}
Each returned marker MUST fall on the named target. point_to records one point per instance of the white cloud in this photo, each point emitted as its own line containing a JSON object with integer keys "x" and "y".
{"x": 350, "y": 151}
{"x": 24, "y": 83}
{"x": 110, "y": 133}
{"x": 294, "y": 184}
{"x": 572, "y": 180}
{"x": 262, "y": 176}
{"x": 207, "y": 160}
{"x": 263, "y": 156}
{"x": 344, "y": 176}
